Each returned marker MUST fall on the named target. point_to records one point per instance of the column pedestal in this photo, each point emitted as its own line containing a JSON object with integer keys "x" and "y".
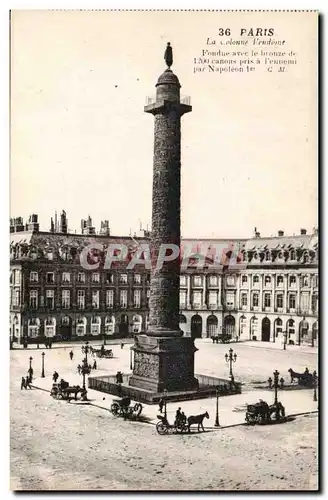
{"x": 164, "y": 363}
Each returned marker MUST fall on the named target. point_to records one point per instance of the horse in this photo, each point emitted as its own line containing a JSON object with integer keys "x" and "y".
{"x": 198, "y": 419}
{"x": 303, "y": 378}
{"x": 75, "y": 389}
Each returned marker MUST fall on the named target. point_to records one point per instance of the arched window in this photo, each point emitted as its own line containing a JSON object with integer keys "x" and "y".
{"x": 33, "y": 327}
{"x": 267, "y": 255}
{"x": 136, "y": 323}
{"x": 81, "y": 325}
{"x": 292, "y": 255}
{"x": 109, "y": 325}
{"x": 278, "y": 327}
{"x": 254, "y": 328}
{"x": 50, "y": 327}
{"x": 291, "y": 329}
{"x": 95, "y": 325}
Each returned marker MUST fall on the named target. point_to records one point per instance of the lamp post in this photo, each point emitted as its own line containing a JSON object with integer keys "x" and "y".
{"x": 217, "y": 423}
{"x": 276, "y": 385}
{"x": 85, "y": 371}
{"x": 285, "y": 340}
{"x": 42, "y": 371}
{"x": 86, "y": 350}
{"x": 165, "y": 395}
{"x": 31, "y": 362}
{"x": 231, "y": 358}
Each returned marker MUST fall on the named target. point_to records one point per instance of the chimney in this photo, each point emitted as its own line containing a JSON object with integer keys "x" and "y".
{"x": 303, "y": 231}
{"x": 63, "y": 223}
{"x": 32, "y": 224}
{"x": 104, "y": 228}
{"x": 18, "y": 224}
{"x": 87, "y": 227}
{"x": 280, "y": 232}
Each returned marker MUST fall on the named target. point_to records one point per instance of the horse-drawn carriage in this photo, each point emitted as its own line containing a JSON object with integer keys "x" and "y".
{"x": 305, "y": 379}
{"x": 64, "y": 391}
{"x": 123, "y": 408}
{"x": 180, "y": 425}
{"x": 262, "y": 413}
{"x": 223, "y": 338}
{"x": 103, "y": 353}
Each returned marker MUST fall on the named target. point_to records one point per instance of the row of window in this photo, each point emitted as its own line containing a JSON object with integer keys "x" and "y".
{"x": 282, "y": 255}
{"x": 197, "y": 298}
{"x": 81, "y": 299}
{"x": 305, "y": 280}
{"x": 255, "y": 280}
{"x": 95, "y": 278}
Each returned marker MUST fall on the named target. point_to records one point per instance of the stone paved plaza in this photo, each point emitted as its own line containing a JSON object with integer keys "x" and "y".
{"x": 57, "y": 445}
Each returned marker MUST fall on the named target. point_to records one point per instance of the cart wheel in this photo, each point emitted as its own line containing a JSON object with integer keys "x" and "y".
{"x": 161, "y": 428}
{"x": 115, "y": 409}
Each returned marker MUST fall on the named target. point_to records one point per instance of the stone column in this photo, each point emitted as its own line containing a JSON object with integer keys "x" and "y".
{"x": 163, "y": 358}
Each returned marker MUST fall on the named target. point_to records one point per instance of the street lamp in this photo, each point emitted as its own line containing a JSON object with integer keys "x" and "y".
{"x": 285, "y": 340}
{"x": 86, "y": 350}
{"x": 85, "y": 371}
{"x": 42, "y": 371}
{"x": 217, "y": 423}
{"x": 231, "y": 358}
{"x": 31, "y": 362}
{"x": 276, "y": 385}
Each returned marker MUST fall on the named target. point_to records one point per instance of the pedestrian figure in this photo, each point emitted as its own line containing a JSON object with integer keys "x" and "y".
{"x": 28, "y": 383}
{"x": 23, "y": 385}
{"x": 160, "y": 405}
{"x": 119, "y": 378}
{"x": 178, "y": 416}
{"x": 55, "y": 376}
{"x": 122, "y": 345}
{"x": 30, "y": 373}
{"x": 79, "y": 369}
{"x": 71, "y": 354}
{"x": 95, "y": 365}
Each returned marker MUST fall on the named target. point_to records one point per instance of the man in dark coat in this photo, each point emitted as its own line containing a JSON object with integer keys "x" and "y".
{"x": 23, "y": 385}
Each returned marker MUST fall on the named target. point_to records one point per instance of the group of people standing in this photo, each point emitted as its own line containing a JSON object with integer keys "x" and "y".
{"x": 26, "y": 381}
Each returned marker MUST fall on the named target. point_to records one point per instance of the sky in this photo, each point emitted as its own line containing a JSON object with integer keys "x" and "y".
{"x": 80, "y": 140}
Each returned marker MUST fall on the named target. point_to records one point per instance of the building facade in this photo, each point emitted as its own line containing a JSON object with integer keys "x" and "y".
{"x": 272, "y": 291}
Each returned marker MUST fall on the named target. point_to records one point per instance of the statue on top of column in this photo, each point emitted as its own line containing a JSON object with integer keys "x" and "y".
{"x": 168, "y": 56}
